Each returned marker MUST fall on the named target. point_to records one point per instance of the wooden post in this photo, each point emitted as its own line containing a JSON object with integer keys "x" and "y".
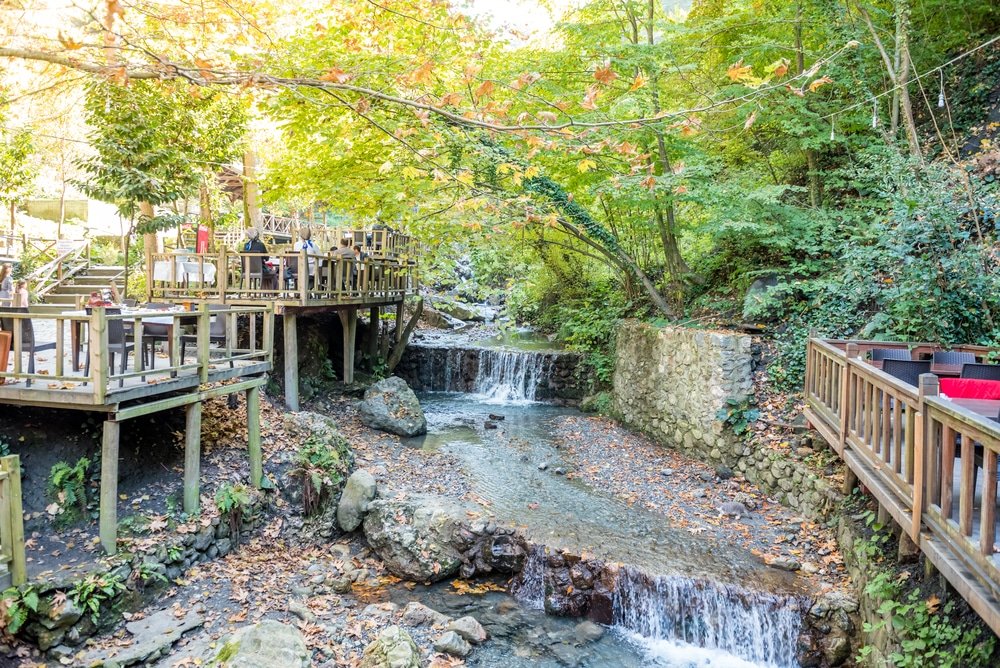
{"x": 850, "y": 482}
{"x": 851, "y": 353}
{"x": 373, "y": 328}
{"x": 399, "y": 319}
{"x": 222, "y": 273}
{"x": 13, "y": 517}
{"x": 109, "y": 487}
{"x": 349, "y": 327}
{"x": 291, "y": 362}
{"x": 204, "y": 332}
{"x": 99, "y": 352}
{"x": 253, "y": 436}
{"x": 192, "y": 458}
{"x": 928, "y": 388}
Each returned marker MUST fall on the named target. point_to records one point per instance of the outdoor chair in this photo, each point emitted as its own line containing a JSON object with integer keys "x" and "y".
{"x": 118, "y": 344}
{"x": 879, "y": 354}
{"x": 253, "y": 272}
{"x": 28, "y": 343}
{"x": 953, "y": 357}
{"x": 906, "y": 370}
{"x": 981, "y": 371}
{"x": 216, "y": 331}
{"x": 152, "y": 333}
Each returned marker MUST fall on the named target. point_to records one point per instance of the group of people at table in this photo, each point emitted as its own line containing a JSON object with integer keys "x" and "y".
{"x": 346, "y": 250}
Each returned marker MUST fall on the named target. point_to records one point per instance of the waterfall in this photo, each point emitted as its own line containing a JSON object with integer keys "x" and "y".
{"x": 660, "y": 612}
{"x": 529, "y": 586}
{"x": 494, "y": 375}
{"x": 506, "y": 376}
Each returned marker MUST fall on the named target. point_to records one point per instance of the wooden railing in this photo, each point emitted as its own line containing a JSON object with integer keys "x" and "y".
{"x": 54, "y": 366}
{"x": 297, "y": 278}
{"x": 72, "y": 258}
{"x": 12, "y": 562}
{"x": 903, "y": 442}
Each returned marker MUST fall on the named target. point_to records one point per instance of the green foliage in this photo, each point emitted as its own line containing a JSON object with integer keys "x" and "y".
{"x": 95, "y": 590}
{"x": 17, "y": 169}
{"x": 149, "y": 574}
{"x": 739, "y": 414}
{"x": 230, "y": 497}
{"x": 323, "y": 463}
{"x": 67, "y": 489}
{"x": 16, "y": 604}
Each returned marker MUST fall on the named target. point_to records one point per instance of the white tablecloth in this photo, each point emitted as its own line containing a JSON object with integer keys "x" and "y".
{"x": 184, "y": 270}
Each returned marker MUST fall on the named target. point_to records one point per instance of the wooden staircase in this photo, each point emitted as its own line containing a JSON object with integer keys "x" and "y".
{"x": 94, "y": 278}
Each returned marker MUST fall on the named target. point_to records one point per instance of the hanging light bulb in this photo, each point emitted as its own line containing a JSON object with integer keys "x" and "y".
{"x": 833, "y": 131}
{"x": 941, "y": 94}
{"x": 874, "y": 113}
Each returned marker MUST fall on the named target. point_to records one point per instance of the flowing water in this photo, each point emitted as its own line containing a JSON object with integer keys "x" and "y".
{"x": 681, "y": 602}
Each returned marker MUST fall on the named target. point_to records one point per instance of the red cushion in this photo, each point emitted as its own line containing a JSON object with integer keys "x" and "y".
{"x": 970, "y": 388}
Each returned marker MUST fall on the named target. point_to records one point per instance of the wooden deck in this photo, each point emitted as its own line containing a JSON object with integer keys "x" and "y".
{"x": 930, "y": 463}
{"x": 218, "y": 360}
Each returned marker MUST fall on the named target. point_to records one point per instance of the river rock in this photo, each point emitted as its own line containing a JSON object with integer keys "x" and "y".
{"x": 390, "y": 405}
{"x": 151, "y": 637}
{"x": 59, "y": 616}
{"x": 418, "y": 614}
{"x": 469, "y": 628}
{"x": 459, "y": 311}
{"x": 358, "y": 493}
{"x": 734, "y": 509}
{"x": 416, "y": 536}
{"x": 588, "y": 631}
{"x": 393, "y": 648}
{"x": 265, "y": 645}
{"x": 452, "y": 643}
{"x": 785, "y": 563}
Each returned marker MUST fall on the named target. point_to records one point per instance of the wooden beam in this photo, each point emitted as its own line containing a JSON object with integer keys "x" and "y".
{"x": 14, "y": 514}
{"x": 349, "y": 329}
{"x": 192, "y": 458}
{"x": 109, "y": 487}
{"x": 185, "y": 399}
{"x": 291, "y": 362}
{"x": 253, "y": 436}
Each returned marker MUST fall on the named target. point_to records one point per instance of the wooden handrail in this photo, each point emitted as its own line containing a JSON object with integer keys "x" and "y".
{"x": 903, "y": 443}
{"x": 11, "y": 520}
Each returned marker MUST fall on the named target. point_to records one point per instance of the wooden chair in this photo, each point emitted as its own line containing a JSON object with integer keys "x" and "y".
{"x": 879, "y": 354}
{"x": 253, "y": 272}
{"x": 118, "y": 344}
{"x": 28, "y": 343}
{"x": 981, "y": 371}
{"x": 907, "y": 371}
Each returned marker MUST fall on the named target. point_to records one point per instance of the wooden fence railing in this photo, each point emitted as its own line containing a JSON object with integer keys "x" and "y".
{"x": 904, "y": 443}
{"x": 72, "y": 258}
{"x": 296, "y": 277}
{"x": 219, "y": 339}
{"x": 12, "y": 562}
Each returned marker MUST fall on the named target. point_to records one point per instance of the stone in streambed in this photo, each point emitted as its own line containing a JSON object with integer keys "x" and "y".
{"x": 734, "y": 509}
{"x": 452, "y": 643}
{"x": 418, "y": 614}
{"x": 393, "y": 648}
{"x": 588, "y": 631}
{"x": 496, "y": 418}
{"x": 415, "y": 536}
{"x": 390, "y": 405}
{"x": 785, "y": 563}
{"x": 469, "y": 628}
{"x": 358, "y": 493}
{"x": 489, "y": 425}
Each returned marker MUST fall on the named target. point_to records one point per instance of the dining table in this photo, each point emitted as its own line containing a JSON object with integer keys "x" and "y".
{"x": 988, "y": 408}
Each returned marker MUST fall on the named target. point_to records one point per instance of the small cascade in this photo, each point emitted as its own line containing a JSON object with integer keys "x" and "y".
{"x": 529, "y": 586}
{"x": 662, "y": 612}
{"x": 493, "y": 375}
{"x": 506, "y": 376}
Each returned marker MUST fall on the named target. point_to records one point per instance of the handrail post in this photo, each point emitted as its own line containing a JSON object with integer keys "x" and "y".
{"x": 203, "y": 342}
{"x": 99, "y": 352}
{"x": 303, "y": 276}
{"x": 928, "y": 387}
{"x": 851, "y": 353}
{"x": 222, "y": 273}
{"x": 13, "y": 521}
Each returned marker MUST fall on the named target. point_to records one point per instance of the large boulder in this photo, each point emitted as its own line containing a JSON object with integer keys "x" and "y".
{"x": 458, "y": 310}
{"x": 393, "y": 648}
{"x": 416, "y": 537}
{"x": 358, "y": 493}
{"x": 390, "y": 405}
{"x": 264, "y": 645}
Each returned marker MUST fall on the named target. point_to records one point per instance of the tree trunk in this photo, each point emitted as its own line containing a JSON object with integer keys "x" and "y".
{"x": 251, "y": 209}
{"x": 205, "y": 214}
{"x": 402, "y": 338}
{"x": 812, "y": 159}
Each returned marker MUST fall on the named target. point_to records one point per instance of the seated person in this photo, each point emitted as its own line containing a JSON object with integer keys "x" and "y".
{"x": 21, "y": 297}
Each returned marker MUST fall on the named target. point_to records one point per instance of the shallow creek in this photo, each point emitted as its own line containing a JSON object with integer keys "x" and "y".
{"x": 692, "y": 600}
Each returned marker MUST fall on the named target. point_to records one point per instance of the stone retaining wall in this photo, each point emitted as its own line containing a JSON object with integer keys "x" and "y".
{"x": 672, "y": 382}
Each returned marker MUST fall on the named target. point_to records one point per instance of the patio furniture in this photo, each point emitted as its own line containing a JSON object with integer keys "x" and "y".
{"x": 907, "y": 371}
{"x": 879, "y": 354}
{"x": 216, "y": 331}
{"x": 952, "y": 357}
{"x": 981, "y": 371}
{"x": 28, "y": 343}
{"x": 118, "y": 344}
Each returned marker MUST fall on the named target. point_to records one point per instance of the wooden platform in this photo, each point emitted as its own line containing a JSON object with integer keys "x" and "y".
{"x": 230, "y": 350}
{"x": 930, "y": 462}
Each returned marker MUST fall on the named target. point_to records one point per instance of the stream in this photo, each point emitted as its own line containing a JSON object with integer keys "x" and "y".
{"x": 684, "y": 600}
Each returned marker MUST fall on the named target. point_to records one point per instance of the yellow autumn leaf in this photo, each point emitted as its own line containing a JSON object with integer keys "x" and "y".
{"x": 819, "y": 83}
{"x": 385, "y": 167}
{"x": 585, "y": 165}
{"x": 531, "y": 172}
{"x": 739, "y": 72}
{"x": 465, "y": 177}
{"x": 411, "y": 172}
{"x": 639, "y": 81}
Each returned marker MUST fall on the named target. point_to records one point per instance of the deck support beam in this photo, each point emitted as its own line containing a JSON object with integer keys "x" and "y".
{"x": 373, "y": 329}
{"x": 253, "y": 436}
{"x": 349, "y": 328}
{"x": 399, "y": 319}
{"x": 192, "y": 458}
{"x": 109, "y": 487}
{"x": 291, "y": 361}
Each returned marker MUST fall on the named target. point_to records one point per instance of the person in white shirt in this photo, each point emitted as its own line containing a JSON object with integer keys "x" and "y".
{"x": 305, "y": 242}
